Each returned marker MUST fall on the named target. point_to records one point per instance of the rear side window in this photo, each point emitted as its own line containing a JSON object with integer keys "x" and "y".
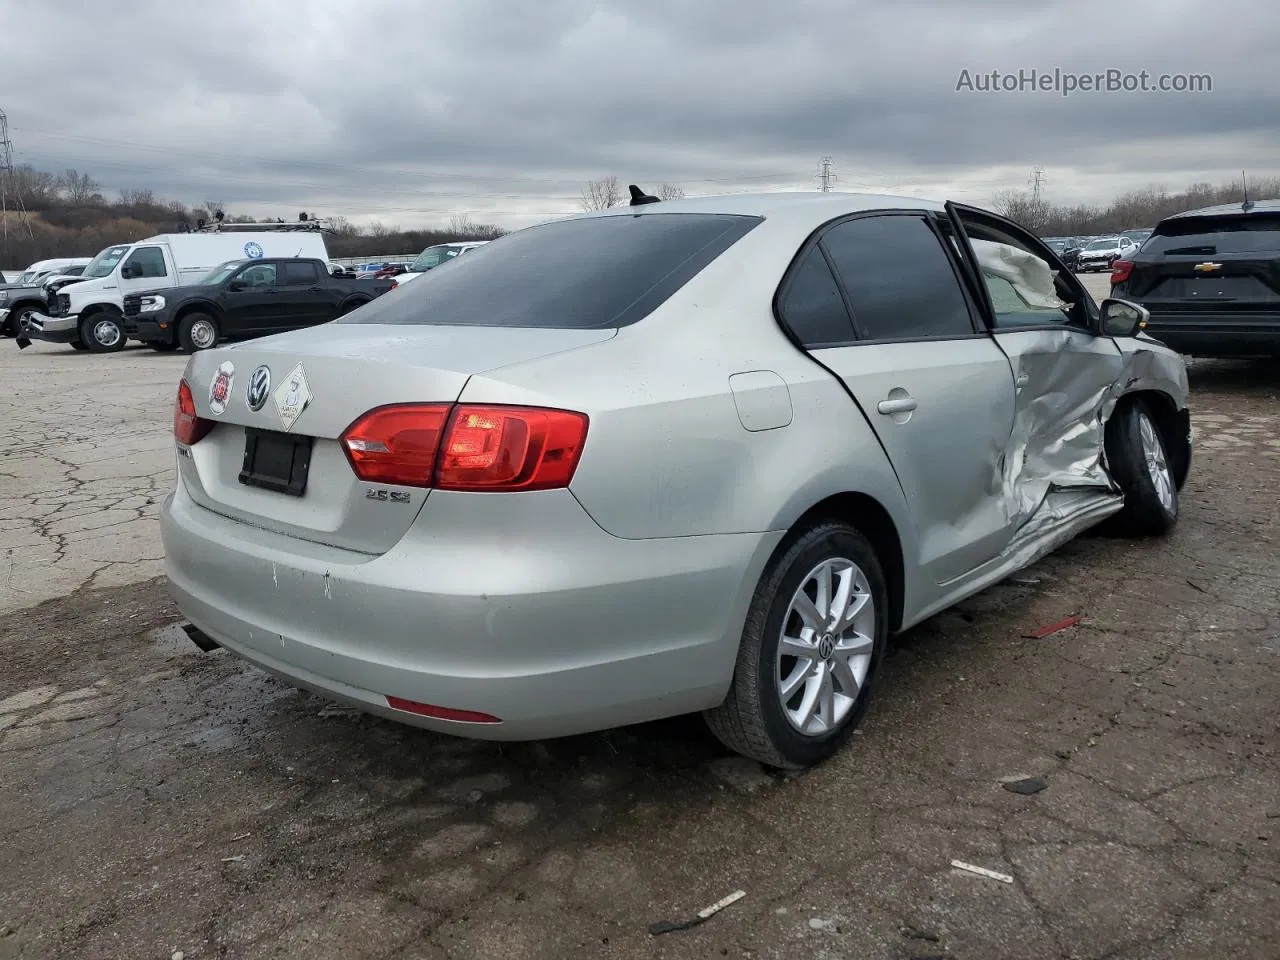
{"x": 811, "y": 305}
{"x": 1210, "y": 236}
{"x": 588, "y": 273}
{"x": 299, "y": 274}
{"x": 899, "y": 280}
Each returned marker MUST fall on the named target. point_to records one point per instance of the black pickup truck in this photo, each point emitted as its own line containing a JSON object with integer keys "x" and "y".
{"x": 242, "y": 299}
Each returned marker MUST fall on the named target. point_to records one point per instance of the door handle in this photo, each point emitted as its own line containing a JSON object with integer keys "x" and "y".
{"x": 901, "y": 405}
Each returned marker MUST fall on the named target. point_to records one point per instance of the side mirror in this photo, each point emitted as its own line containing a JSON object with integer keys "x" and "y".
{"x": 235, "y": 286}
{"x": 1120, "y": 318}
{"x": 130, "y": 271}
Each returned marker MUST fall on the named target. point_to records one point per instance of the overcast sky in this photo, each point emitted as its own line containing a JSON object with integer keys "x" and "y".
{"x": 410, "y": 112}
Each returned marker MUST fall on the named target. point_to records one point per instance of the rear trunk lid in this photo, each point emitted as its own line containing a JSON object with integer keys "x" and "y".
{"x": 1207, "y": 265}
{"x": 337, "y": 372}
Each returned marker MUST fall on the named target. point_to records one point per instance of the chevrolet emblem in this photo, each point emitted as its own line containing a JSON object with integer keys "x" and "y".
{"x": 1207, "y": 267}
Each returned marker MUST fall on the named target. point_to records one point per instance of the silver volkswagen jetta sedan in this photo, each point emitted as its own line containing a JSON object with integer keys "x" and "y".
{"x": 702, "y": 455}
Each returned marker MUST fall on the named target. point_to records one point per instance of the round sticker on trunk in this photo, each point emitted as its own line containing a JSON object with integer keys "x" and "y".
{"x": 220, "y": 390}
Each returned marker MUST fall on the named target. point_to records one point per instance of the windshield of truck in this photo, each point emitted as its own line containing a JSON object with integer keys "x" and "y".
{"x": 220, "y": 273}
{"x": 26, "y": 278}
{"x": 105, "y": 262}
{"x": 433, "y": 257}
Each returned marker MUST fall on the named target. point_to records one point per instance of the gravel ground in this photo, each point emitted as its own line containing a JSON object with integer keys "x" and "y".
{"x": 158, "y": 800}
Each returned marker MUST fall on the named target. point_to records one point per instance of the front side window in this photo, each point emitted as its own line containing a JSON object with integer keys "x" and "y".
{"x": 900, "y": 281}
{"x": 258, "y": 275}
{"x": 148, "y": 262}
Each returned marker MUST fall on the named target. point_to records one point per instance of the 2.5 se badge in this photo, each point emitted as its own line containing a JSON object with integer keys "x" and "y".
{"x": 220, "y": 389}
{"x": 292, "y": 397}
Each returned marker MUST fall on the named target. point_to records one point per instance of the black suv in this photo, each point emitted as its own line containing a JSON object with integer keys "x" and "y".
{"x": 1211, "y": 280}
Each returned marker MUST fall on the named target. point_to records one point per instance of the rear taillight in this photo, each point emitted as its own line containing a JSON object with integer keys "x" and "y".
{"x": 1120, "y": 271}
{"x": 466, "y": 446}
{"x": 394, "y": 284}
{"x": 188, "y": 426}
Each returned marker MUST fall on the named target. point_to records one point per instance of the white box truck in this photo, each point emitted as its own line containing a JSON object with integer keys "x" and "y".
{"x": 88, "y": 314}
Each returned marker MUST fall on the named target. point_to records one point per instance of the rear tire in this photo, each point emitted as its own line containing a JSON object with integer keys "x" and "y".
{"x": 102, "y": 332}
{"x": 197, "y": 331}
{"x": 1139, "y": 463}
{"x": 792, "y": 711}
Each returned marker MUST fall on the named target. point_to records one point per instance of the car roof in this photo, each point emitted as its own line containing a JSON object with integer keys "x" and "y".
{"x": 1230, "y": 209}
{"x": 816, "y": 206}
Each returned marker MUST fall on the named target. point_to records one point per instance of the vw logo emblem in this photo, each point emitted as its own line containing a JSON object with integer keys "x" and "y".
{"x": 826, "y": 646}
{"x": 259, "y": 388}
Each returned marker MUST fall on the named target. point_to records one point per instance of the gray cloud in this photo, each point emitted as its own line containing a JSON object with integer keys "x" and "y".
{"x": 409, "y": 112}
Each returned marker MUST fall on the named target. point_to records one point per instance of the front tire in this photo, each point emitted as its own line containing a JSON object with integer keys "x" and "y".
{"x": 812, "y": 645}
{"x": 102, "y": 332}
{"x": 197, "y": 331}
{"x": 1139, "y": 462}
{"x": 14, "y": 323}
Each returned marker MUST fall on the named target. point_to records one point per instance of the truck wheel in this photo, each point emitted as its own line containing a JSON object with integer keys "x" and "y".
{"x": 102, "y": 332}
{"x": 197, "y": 331}
{"x": 16, "y": 321}
{"x": 812, "y": 645}
{"x": 77, "y": 345}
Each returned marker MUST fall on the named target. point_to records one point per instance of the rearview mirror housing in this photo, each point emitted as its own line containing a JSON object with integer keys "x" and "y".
{"x": 235, "y": 286}
{"x": 130, "y": 271}
{"x": 1121, "y": 318}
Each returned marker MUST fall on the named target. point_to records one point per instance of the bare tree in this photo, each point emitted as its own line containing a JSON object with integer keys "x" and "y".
{"x": 137, "y": 198}
{"x": 35, "y": 188}
{"x": 79, "y": 188}
{"x": 601, "y": 194}
{"x": 671, "y": 191}
{"x": 463, "y": 225}
{"x": 1022, "y": 207}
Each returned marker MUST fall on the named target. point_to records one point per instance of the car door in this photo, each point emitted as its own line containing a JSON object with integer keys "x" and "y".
{"x": 901, "y": 335}
{"x": 146, "y": 268}
{"x": 304, "y": 301}
{"x": 252, "y": 305}
{"x": 1065, "y": 372}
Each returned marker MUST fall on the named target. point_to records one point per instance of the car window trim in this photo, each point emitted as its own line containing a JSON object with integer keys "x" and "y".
{"x": 860, "y": 338}
{"x": 954, "y": 211}
{"x": 927, "y": 217}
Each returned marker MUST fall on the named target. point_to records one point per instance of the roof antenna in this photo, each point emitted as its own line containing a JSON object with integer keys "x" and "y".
{"x": 639, "y": 197}
{"x": 1244, "y": 185}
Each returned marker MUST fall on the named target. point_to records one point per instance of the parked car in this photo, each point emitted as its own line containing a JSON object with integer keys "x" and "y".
{"x": 1138, "y": 236}
{"x": 1211, "y": 280}
{"x": 697, "y": 455}
{"x": 242, "y": 299}
{"x": 89, "y": 315}
{"x": 1100, "y": 254}
{"x": 437, "y": 255}
{"x": 20, "y": 301}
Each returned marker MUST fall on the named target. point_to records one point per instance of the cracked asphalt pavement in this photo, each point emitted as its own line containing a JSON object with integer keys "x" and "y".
{"x": 155, "y": 800}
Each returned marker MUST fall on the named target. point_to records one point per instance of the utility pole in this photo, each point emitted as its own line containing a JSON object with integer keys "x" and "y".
{"x": 8, "y": 183}
{"x": 1037, "y": 181}
{"x": 825, "y": 177}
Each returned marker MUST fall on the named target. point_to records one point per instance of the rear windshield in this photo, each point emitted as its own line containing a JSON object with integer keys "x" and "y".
{"x": 587, "y": 273}
{"x": 1210, "y": 236}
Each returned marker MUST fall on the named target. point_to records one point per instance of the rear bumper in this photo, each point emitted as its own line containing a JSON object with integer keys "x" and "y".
{"x": 1216, "y": 334}
{"x": 40, "y": 326}
{"x": 530, "y": 613}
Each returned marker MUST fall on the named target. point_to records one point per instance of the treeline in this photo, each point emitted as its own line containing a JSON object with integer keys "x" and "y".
{"x": 66, "y": 215}
{"x": 1130, "y": 211}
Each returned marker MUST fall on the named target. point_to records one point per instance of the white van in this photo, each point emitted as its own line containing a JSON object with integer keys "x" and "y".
{"x": 38, "y": 271}
{"x": 88, "y": 314}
